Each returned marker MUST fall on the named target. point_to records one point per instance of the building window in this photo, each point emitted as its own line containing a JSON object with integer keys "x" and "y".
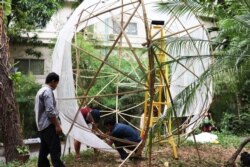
{"x": 130, "y": 30}
{"x": 90, "y": 29}
{"x": 89, "y": 32}
{"x": 35, "y": 66}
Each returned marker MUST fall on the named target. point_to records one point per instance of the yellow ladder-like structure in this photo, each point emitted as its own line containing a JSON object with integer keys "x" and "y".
{"x": 160, "y": 86}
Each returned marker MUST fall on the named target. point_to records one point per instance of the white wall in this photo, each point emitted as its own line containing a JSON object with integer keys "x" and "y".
{"x": 50, "y": 32}
{"x": 18, "y": 52}
{"x": 47, "y": 35}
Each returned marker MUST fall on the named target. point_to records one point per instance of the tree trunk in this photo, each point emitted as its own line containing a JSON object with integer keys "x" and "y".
{"x": 9, "y": 116}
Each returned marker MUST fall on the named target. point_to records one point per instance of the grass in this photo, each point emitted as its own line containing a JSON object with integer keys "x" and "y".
{"x": 229, "y": 140}
{"x": 226, "y": 140}
{"x": 212, "y": 155}
{"x": 31, "y": 163}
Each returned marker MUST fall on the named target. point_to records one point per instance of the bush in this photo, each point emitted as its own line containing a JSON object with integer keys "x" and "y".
{"x": 236, "y": 125}
{"x": 25, "y": 89}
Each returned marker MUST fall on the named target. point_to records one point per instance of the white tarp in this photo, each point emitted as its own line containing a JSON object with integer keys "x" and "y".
{"x": 204, "y": 137}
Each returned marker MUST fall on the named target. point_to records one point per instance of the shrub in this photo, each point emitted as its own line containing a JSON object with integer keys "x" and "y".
{"x": 236, "y": 124}
{"x": 25, "y": 89}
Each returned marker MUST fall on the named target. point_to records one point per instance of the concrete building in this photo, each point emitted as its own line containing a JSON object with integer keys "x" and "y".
{"x": 26, "y": 61}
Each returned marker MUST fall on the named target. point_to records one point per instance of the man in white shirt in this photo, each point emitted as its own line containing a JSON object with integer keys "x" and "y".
{"x": 48, "y": 124}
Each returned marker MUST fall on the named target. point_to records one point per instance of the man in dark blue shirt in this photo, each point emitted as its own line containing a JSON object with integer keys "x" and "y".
{"x": 122, "y": 131}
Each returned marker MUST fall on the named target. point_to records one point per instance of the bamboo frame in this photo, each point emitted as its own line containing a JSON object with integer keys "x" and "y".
{"x": 149, "y": 86}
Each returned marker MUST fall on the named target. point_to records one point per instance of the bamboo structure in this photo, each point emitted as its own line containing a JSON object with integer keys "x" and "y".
{"x": 155, "y": 83}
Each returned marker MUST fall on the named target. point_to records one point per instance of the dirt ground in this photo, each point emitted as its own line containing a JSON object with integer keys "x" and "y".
{"x": 211, "y": 155}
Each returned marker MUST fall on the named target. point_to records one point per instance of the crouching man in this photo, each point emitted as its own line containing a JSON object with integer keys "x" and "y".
{"x": 125, "y": 132}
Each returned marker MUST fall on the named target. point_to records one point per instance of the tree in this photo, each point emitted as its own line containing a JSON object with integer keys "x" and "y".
{"x": 9, "y": 115}
{"x": 26, "y": 15}
{"x": 19, "y": 16}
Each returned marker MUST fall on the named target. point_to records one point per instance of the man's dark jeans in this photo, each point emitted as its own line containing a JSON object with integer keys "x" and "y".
{"x": 120, "y": 149}
{"x": 50, "y": 144}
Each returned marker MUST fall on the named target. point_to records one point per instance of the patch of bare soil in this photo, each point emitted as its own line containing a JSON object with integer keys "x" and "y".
{"x": 210, "y": 156}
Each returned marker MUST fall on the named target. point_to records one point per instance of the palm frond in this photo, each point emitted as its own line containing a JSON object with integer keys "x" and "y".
{"x": 244, "y": 19}
{"x": 180, "y": 8}
{"x": 247, "y": 4}
{"x": 232, "y": 26}
{"x": 192, "y": 45}
{"x": 227, "y": 75}
{"x": 185, "y": 99}
{"x": 186, "y": 58}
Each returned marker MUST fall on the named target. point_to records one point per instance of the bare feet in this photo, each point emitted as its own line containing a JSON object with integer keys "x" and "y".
{"x": 78, "y": 157}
